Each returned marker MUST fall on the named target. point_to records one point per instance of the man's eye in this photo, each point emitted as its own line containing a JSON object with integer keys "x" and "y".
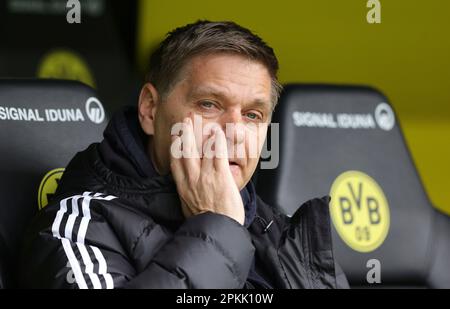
{"x": 253, "y": 116}
{"x": 207, "y": 104}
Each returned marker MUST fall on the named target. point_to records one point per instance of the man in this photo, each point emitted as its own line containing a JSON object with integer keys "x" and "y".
{"x": 153, "y": 206}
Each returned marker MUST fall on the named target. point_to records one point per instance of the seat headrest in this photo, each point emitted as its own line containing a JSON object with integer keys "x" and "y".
{"x": 346, "y": 142}
{"x": 43, "y": 123}
{"x": 39, "y": 42}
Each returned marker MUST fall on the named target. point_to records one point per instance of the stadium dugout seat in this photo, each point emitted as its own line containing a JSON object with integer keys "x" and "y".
{"x": 43, "y": 124}
{"x": 346, "y": 142}
{"x": 2, "y": 262}
{"x": 38, "y": 42}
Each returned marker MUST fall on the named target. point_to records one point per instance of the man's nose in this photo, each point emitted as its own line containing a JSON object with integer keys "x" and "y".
{"x": 233, "y": 126}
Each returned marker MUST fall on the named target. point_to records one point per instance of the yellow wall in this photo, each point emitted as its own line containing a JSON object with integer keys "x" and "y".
{"x": 407, "y": 56}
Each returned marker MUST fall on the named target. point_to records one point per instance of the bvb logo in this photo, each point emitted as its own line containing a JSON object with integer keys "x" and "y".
{"x": 65, "y": 64}
{"x": 48, "y": 187}
{"x": 360, "y": 211}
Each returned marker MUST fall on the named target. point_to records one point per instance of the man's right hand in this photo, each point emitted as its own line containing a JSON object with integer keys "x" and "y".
{"x": 205, "y": 185}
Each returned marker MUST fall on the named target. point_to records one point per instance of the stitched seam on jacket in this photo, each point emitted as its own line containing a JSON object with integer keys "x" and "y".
{"x": 282, "y": 267}
{"x": 219, "y": 248}
{"x": 176, "y": 273}
{"x": 148, "y": 228}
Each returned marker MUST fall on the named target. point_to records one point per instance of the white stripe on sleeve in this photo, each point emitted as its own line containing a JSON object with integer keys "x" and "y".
{"x": 80, "y": 241}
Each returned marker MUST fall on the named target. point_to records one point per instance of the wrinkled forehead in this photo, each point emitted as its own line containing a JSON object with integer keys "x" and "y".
{"x": 231, "y": 77}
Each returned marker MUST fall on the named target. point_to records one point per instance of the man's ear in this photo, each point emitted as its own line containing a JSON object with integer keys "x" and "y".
{"x": 148, "y": 104}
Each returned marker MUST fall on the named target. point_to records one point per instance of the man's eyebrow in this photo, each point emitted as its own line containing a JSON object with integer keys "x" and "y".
{"x": 217, "y": 93}
{"x": 261, "y": 104}
{"x": 208, "y": 91}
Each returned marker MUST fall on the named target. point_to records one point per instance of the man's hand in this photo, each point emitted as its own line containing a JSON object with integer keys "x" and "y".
{"x": 205, "y": 185}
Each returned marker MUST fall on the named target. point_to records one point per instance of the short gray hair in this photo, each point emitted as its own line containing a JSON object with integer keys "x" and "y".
{"x": 205, "y": 37}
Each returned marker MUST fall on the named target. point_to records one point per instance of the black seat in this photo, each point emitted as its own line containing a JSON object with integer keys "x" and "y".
{"x": 3, "y": 262}
{"x": 38, "y": 42}
{"x": 346, "y": 142}
{"x": 42, "y": 125}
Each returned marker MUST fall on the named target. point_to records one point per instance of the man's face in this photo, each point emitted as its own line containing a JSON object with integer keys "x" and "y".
{"x": 228, "y": 90}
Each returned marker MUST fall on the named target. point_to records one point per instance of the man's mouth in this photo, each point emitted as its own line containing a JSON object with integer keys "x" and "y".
{"x": 235, "y": 167}
{"x": 235, "y": 162}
